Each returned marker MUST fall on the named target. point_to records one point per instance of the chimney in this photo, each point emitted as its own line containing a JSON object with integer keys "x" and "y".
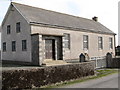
{"x": 95, "y": 18}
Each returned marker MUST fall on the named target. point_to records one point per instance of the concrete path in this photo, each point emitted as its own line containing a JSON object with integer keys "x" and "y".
{"x": 110, "y": 81}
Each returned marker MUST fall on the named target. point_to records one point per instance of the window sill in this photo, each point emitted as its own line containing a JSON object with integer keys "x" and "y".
{"x": 100, "y": 49}
{"x": 85, "y": 49}
{"x": 24, "y": 50}
{"x": 13, "y": 51}
{"x": 18, "y": 32}
{"x": 67, "y": 49}
{"x": 3, "y": 51}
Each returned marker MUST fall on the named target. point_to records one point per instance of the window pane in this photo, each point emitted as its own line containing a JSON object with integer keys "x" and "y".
{"x": 85, "y": 41}
{"x": 8, "y": 29}
{"x": 24, "y": 45}
{"x": 13, "y": 45}
{"x": 18, "y": 27}
{"x": 85, "y": 38}
{"x": 4, "y": 46}
{"x": 100, "y": 43}
{"x": 67, "y": 40}
{"x": 110, "y": 43}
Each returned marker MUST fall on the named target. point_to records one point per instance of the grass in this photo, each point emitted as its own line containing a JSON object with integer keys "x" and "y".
{"x": 98, "y": 74}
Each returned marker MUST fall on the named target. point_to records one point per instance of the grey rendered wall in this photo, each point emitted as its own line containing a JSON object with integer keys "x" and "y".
{"x": 76, "y": 41}
{"x": 35, "y": 49}
{"x": 12, "y": 18}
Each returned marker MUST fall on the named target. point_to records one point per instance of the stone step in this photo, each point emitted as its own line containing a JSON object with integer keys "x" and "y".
{"x": 50, "y": 62}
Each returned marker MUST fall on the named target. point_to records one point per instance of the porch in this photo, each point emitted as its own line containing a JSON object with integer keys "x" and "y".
{"x": 47, "y": 49}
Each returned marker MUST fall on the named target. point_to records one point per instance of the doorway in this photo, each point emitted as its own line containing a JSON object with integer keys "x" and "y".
{"x": 50, "y": 49}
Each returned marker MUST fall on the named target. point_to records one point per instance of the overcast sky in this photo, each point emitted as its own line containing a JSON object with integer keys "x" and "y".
{"x": 105, "y": 10}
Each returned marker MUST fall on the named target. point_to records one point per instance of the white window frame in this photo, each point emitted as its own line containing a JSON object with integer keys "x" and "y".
{"x": 67, "y": 40}
{"x": 111, "y": 43}
{"x": 100, "y": 43}
{"x": 85, "y": 42}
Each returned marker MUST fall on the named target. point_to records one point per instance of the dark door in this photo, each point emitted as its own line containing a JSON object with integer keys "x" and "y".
{"x": 49, "y": 49}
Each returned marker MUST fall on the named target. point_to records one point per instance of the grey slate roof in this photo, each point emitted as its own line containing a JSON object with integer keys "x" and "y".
{"x": 44, "y": 17}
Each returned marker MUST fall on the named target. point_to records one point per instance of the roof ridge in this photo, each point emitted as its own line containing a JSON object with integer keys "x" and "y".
{"x": 53, "y": 11}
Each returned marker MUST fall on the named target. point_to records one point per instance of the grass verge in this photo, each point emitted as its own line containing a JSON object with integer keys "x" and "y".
{"x": 98, "y": 74}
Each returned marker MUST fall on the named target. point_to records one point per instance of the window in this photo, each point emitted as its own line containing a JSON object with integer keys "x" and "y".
{"x": 110, "y": 43}
{"x": 18, "y": 27}
{"x": 4, "y": 46}
{"x": 24, "y": 45}
{"x": 100, "y": 43}
{"x": 8, "y": 29}
{"x": 85, "y": 41}
{"x": 13, "y": 45}
{"x": 67, "y": 40}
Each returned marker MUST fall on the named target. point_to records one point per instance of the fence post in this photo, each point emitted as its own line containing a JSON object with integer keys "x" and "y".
{"x": 96, "y": 62}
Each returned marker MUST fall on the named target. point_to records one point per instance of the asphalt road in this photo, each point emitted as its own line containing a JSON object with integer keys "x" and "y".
{"x": 110, "y": 81}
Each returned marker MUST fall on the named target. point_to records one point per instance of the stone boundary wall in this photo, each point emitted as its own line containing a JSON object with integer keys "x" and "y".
{"x": 115, "y": 63}
{"x": 112, "y": 62}
{"x": 37, "y": 77}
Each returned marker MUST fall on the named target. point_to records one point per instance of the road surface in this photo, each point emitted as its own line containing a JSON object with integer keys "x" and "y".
{"x": 110, "y": 81}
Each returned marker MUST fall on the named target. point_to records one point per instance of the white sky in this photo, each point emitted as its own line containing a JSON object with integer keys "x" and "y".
{"x": 105, "y": 10}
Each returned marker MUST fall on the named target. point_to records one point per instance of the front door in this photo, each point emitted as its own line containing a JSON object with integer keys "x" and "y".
{"x": 50, "y": 49}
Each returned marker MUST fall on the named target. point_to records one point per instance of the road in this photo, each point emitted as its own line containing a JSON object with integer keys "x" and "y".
{"x": 110, "y": 81}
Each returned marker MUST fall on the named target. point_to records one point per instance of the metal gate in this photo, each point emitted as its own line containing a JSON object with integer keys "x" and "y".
{"x": 99, "y": 62}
